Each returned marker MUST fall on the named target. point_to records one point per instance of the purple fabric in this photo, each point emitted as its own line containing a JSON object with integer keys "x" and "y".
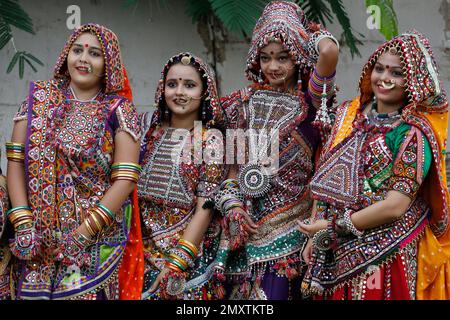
{"x": 277, "y": 288}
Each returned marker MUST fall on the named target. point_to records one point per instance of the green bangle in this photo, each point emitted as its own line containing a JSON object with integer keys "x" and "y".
{"x": 105, "y": 209}
{"x": 177, "y": 264}
{"x": 188, "y": 250}
{"x": 17, "y": 208}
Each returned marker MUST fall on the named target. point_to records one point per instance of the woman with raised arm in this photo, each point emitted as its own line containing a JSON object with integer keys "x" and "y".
{"x": 292, "y": 65}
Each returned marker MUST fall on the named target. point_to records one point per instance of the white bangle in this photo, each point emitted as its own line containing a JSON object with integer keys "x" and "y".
{"x": 349, "y": 223}
{"x": 324, "y": 35}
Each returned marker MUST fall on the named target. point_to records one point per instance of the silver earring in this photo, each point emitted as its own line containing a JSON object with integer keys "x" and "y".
{"x": 260, "y": 77}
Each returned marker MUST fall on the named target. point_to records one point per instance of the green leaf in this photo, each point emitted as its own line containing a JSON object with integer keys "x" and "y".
{"x": 13, "y": 62}
{"x": 129, "y": 3}
{"x": 388, "y": 18}
{"x": 5, "y": 34}
{"x": 316, "y": 10}
{"x": 21, "y": 66}
{"x": 32, "y": 57}
{"x": 198, "y": 9}
{"x": 12, "y": 13}
{"x": 30, "y": 63}
{"x": 344, "y": 21}
{"x": 238, "y": 16}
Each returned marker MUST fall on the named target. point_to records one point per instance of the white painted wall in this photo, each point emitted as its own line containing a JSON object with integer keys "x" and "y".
{"x": 149, "y": 35}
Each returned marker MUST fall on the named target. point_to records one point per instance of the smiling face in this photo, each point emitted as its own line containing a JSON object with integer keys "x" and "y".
{"x": 277, "y": 66}
{"x": 387, "y": 81}
{"x": 183, "y": 90}
{"x": 85, "y": 62}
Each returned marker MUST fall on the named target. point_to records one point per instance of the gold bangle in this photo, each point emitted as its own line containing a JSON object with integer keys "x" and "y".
{"x": 106, "y": 219}
{"x": 89, "y": 228}
{"x": 97, "y": 223}
{"x": 179, "y": 260}
{"x": 190, "y": 245}
{"x": 20, "y": 214}
{"x": 19, "y": 223}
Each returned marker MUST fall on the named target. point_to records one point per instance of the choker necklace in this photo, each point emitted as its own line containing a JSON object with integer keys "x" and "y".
{"x": 382, "y": 119}
{"x": 76, "y": 98}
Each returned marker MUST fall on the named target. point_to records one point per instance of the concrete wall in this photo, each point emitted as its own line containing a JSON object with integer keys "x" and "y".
{"x": 150, "y": 34}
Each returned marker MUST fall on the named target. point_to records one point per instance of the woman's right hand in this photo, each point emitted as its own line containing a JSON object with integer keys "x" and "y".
{"x": 26, "y": 244}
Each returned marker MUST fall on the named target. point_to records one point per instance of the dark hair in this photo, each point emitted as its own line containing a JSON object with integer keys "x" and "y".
{"x": 204, "y": 105}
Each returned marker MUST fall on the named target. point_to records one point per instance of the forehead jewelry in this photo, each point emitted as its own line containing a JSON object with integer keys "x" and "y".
{"x": 186, "y": 60}
{"x": 393, "y": 50}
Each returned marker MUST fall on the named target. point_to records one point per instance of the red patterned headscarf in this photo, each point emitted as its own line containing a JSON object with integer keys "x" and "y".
{"x": 114, "y": 69}
{"x": 285, "y": 21}
{"x": 426, "y": 108}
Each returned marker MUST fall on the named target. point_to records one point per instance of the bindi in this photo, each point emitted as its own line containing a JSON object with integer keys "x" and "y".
{"x": 86, "y": 45}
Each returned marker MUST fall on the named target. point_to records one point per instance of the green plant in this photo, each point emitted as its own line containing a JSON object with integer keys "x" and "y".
{"x": 239, "y": 17}
{"x": 13, "y": 15}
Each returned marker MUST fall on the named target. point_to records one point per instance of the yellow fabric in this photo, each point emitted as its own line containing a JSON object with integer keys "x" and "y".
{"x": 433, "y": 261}
{"x": 433, "y": 264}
{"x": 346, "y": 127}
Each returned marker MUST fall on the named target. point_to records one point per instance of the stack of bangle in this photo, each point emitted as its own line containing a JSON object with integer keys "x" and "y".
{"x": 93, "y": 224}
{"x": 15, "y": 151}
{"x": 349, "y": 224}
{"x": 103, "y": 213}
{"x": 182, "y": 256}
{"x": 125, "y": 171}
{"x": 20, "y": 215}
{"x": 229, "y": 196}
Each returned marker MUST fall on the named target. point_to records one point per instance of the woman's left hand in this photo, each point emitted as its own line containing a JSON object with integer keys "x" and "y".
{"x": 311, "y": 229}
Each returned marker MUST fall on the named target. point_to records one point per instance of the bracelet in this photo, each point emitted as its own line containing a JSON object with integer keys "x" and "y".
{"x": 15, "y": 151}
{"x": 125, "y": 171}
{"x": 313, "y": 44}
{"x": 16, "y": 209}
{"x": 90, "y": 229}
{"x": 98, "y": 224}
{"x": 178, "y": 265}
{"x": 349, "y": 224}
{"x": 20, "y": 215}
{"x": 189, "y": 245}
{"x": 183, "y": 255}
{"x": 227, "y": 194}
{"x": 104, "y": 216}
{"x": 104, "y": 209}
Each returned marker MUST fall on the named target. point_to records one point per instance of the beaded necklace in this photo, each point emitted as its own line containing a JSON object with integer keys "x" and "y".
{"x": 383, "y": 119}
